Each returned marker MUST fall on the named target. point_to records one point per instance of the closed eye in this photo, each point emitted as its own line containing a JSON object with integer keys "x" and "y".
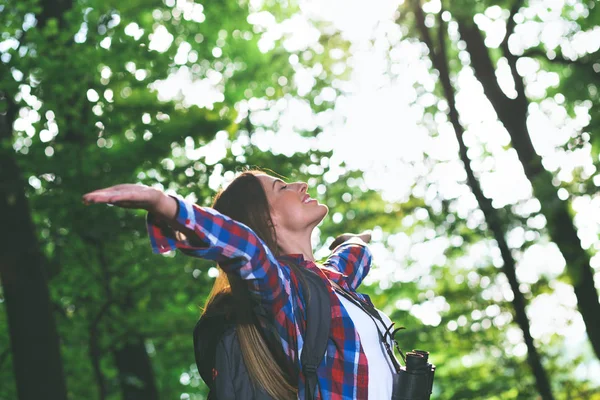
{"x": 283, "y": 185}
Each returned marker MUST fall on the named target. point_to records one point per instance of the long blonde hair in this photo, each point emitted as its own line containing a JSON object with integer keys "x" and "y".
{"x": 245, "y": 201}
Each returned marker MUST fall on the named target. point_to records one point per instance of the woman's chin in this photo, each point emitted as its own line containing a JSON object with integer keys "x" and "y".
{"x": 324, "y": 211}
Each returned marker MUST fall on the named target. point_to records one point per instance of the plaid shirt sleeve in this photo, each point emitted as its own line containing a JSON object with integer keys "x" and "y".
{"x": 353, "y": 259}
{"x": 233, "y": 245}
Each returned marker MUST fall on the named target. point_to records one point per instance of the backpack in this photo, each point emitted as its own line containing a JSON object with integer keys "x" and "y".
{"x": 217, "y": 349}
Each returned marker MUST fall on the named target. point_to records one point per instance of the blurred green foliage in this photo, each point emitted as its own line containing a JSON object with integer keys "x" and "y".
{"x": 81, "y": 74}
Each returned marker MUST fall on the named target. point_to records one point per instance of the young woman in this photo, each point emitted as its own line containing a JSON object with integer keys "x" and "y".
{"x": 259, "y": 232}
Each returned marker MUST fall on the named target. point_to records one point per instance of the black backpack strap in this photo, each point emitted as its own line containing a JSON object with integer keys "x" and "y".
{"x": 318, "y": 321}
{"x": 207, "y": 333}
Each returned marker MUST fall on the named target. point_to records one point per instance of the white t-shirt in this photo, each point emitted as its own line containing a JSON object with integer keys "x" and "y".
{"x": 381, "y": 368}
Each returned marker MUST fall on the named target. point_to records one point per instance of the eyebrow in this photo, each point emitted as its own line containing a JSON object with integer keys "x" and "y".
{"x": 277, "y": 180}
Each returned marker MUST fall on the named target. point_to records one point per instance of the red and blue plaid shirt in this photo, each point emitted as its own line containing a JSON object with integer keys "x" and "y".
{"x": 343, "y": 372}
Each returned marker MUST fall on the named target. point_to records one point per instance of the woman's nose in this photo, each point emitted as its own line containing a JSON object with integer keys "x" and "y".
{"x": 303, "y": 187}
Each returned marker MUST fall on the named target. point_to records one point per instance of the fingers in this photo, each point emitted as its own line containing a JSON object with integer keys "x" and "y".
{"x": 334, "y": 244}
{"x": 118, "y": 201}
{"x": 365, "y": 236}
{"x": 97, "y": 196}
{"x": 339, "y": 240}
{"x": 92, "y": 199}
{"x": 103, "y": 197}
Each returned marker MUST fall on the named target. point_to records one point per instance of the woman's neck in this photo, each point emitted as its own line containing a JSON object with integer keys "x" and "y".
{"x": 298, "y": 243}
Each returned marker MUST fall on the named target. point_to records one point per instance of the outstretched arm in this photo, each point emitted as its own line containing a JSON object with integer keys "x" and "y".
{"x": 207, "y": 234}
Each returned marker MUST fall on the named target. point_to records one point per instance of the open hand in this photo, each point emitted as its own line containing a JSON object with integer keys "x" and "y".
{"x": 127, "y": 196}
{"x": 364, "y": 236}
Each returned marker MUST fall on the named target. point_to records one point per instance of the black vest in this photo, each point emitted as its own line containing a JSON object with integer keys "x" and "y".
{"x": 217, "y": 349}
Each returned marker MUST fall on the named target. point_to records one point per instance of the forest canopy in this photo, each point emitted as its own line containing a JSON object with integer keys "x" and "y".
{"x": 464, "y": 134}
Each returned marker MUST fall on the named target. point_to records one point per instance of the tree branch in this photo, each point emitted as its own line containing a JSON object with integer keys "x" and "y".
{"x": 511, "y": 58}
{"x": 558, "y": 59}
{"x": 511, "y": 23}
{"x": 424, "y": 31}
{"x": 485, "y": 70}
{"x": 442, "y": 64}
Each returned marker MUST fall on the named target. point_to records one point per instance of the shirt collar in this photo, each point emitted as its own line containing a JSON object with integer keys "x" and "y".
{"x": 330, "y": 273}
{"x": 298, "y": 258}
{"x": 333, "y": 274}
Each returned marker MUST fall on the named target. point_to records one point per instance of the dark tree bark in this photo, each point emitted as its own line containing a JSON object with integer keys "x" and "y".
{"x": 34, "y": 339}
{"x": 439, "y": 60}
{"x": 513, "y": 115}
{"x": 135, "y": 371}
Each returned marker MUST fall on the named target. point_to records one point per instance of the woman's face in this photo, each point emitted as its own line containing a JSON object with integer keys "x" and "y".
{"x": 292, "y": 209}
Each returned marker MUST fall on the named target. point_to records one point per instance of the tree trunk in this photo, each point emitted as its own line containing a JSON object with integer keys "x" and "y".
{"x": 562, "y": 231}
{"x": 33, "y": 336}
{"x": 494, "y": 222}
{"x": 135, "y": 371}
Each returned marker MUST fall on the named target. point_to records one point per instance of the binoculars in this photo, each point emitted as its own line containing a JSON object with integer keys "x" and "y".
{"x": 415, "y": 380}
